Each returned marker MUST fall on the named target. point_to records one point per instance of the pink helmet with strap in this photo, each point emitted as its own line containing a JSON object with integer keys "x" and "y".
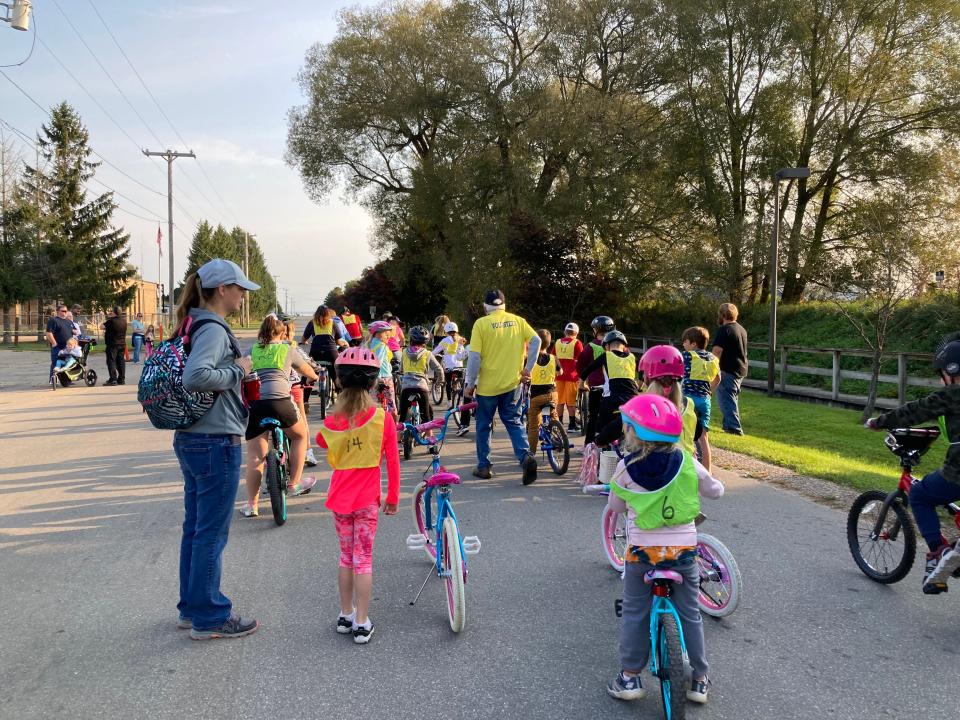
{"x": 653, "y": 418}
{"x": 378, "y": 327}
{"x": 358, "y": 357}
{"x": 661, "y": 361}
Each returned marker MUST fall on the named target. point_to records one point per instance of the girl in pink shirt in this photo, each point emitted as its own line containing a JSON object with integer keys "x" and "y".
{"x": 358, "y": 436}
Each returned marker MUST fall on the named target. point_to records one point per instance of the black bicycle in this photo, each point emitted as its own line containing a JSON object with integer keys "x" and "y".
{"x": 277, "y": 470}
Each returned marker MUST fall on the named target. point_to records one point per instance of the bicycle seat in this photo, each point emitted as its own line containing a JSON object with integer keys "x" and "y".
{"x": 443, "y": 478}
{"x": 661, "y": 574}
{"x": 269, "y": 422}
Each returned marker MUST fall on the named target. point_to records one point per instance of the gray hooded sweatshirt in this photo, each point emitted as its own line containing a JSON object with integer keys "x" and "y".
{"x": 210, "y": 367}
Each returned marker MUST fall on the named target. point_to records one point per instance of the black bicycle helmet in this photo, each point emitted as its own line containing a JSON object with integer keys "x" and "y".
{"x": 614, "y": 336}
{"x": 603, "y": 323}
{"x": 947, "y": 360}
{"x": 357, "y": 376}
{"x": 418, "y": 335}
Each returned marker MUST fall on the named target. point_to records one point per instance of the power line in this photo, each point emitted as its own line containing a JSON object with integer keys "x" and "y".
{"x": 94, "y": 152}
{"x": 164, "y": 114}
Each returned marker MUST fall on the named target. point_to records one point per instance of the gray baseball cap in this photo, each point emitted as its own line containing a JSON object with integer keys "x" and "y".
{"x": 219, "y": 272}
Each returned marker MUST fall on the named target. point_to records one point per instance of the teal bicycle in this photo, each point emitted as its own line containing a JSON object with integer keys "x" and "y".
{"x": 668, "y": 651}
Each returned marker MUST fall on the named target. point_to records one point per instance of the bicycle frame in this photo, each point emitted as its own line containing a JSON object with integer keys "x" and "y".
{"x": 902, "y": 495}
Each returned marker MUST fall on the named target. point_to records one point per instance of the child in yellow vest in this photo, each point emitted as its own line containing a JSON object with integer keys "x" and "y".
{"x": 415, "y": 364}
{"x": 359, "y": 436}
{"x": 543, "y": 388}
{"x": 662, "y": 367}
{"x": 701, "y": 377}
{"x": 272, "y": 359}
{"x": 657, "y": 476}
{"x": 620, "y": 368}
{"x": 568, "y": 349}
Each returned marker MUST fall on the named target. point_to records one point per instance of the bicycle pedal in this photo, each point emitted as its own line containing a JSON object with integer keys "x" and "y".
{"x": 417, "y": 541}
{"x": 471, "y": 545}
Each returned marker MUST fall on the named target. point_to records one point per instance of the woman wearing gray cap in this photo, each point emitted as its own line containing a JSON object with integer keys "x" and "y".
{"x": 209, "y": 451}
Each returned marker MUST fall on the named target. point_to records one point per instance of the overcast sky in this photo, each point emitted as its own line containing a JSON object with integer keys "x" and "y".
{"x": 225, "y": 74}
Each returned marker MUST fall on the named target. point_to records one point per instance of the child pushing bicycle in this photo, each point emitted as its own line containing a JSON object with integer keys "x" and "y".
{"x": 358, "y": 437}
{"x": 658, "y": 485}
{"x": 942, "y": 486}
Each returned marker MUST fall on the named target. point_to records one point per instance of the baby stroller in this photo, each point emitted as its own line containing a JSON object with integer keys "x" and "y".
{"x": 76, "y": 370}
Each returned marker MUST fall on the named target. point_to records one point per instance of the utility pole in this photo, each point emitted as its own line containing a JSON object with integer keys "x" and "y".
{"x": 170, "y": 156}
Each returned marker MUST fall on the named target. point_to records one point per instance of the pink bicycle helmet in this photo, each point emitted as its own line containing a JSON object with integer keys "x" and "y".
{"x": 359, "y": 357}
{"x": 378, "y": 327}
{"x": 653, "y": 418}
{"x": 661, "y": 361}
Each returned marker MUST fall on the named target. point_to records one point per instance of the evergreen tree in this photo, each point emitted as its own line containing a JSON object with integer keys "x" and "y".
{"x": 81, "y": 257}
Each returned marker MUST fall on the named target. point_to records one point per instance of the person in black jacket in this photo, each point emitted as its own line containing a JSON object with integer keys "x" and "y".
{"x": 115, "y": 340}
{"x": 941, "y": 486}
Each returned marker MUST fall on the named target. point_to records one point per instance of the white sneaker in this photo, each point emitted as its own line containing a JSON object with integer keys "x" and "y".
{"x": 345, "y": 623}
{"x": 311, "y": 459}
{"x": 362, "y": 633}
{"x": 462, "y": 431}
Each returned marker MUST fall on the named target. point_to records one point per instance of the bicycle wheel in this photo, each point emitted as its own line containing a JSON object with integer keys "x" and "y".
{"x": 583, "y": 408}
{"x": 276, "y": 488}
{"x": 453, "y": 575}
{"x": 720, "y": 581}
{"x": 407, "y": 444}
{"x": 323, "y": 397}
{"x": 613, "y": 530}
{"x": 436, "y": 391}
{"x": 670, "y": 668}
{"x": 420, "y": 518}
{"x": 888, "y": 557}
{"x": 558, "y": 454}
{"x": 91, "y": 378}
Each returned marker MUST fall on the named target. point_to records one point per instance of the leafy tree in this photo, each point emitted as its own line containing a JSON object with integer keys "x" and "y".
{"x": 82, "y": 257}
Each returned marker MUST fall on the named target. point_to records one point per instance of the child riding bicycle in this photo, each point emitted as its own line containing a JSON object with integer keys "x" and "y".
{"x": 358, "y": 437}
{"x": 272, "y": 359}
{"x": 453, "y": 350}
{"x": 380, "y": 332}
{"x": 662, "y": 368}
{"x": 657, "y": 476}
{"x": 941, "y": 486}
{"x": 416, "y": 363}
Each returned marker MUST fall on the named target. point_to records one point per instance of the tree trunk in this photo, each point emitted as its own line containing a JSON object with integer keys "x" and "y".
{"x": 7, "y": 321}
{"x": 874, "y": 381}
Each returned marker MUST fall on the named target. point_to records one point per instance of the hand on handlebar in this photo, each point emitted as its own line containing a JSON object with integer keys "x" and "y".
{"x": 871, "y": 424}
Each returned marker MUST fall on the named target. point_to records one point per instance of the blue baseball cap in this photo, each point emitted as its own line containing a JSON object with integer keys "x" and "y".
{"x": 219, "y": 272}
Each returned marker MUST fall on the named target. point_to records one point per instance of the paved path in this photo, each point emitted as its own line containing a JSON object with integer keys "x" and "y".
{"x": 90, "y": 509}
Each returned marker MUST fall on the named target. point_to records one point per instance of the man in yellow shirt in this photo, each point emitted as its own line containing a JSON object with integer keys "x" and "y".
{"x": 498, "y": 344}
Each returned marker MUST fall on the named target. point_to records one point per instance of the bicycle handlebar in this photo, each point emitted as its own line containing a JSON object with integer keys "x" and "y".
{"x": 435, "y": 424}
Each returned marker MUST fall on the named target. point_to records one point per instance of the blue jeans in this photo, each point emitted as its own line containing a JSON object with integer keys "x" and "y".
{"x": 54, "y": 356}
{"x": 211, "y": 476}
{"x": 727, "y": 393}
{"x": 508, "y": 406}
{"x": 925, "y": 497}
{"x": 137, "y": 344}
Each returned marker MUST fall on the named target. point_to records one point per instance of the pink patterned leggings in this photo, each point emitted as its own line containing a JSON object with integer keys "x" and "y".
{"x": 356, "y": 531}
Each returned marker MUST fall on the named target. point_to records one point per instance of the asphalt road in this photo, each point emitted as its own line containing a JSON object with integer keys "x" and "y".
{"x": 90, "y": 513}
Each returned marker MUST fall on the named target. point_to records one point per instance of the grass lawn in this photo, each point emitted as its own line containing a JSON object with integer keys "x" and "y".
{"x": 816, "y": 440}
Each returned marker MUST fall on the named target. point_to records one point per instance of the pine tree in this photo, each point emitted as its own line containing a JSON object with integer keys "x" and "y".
{"x": 81, "y": 256}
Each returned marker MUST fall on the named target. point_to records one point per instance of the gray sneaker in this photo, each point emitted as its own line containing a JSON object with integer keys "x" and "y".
{"x": 626, "y": 688}
{"x": 184, "y": 623}
{"x": 233, "y": 627}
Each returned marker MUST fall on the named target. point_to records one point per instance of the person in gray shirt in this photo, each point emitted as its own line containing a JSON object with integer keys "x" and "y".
{"x": 209, "y": 451}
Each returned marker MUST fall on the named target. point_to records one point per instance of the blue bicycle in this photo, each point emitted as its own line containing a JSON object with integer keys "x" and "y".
{"x": 277, "y": 470}
{"x": 668, "y": 654}
{"x": 438, "y": 532}
{"x": 553, "y": 439}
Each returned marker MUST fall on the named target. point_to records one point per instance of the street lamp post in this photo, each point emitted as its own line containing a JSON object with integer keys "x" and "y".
{"x": 781, "y": 174}
{"x": 17, "y": 14}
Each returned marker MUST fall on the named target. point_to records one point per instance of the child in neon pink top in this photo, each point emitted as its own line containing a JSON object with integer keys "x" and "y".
{"x": 358, "y": 437}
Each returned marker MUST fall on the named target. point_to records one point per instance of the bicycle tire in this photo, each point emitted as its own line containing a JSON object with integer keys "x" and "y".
{"x": 407, "y": 444}
{"x": 880, "y": 562}
{"x": 613, "y": 531}
{"x": 717, "y": 598}
{"x": 324, "y": 396}
{"x": 91, "y": 378}
{"x": 420, "y": 521}
{"x": 453, "y": 576}
{"x": 558, "y": 455}
{"x": 436, "y": 392}
{"x": 669, "y": 652}
{"x": 278, "y": 495}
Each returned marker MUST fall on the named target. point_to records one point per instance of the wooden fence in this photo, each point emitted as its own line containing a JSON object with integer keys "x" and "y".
{"x": 757, "y": 374}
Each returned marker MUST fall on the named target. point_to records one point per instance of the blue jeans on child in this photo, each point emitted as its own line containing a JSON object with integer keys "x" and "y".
{"x": 925, "y": 497}
{"x": 727, "y": 393}
{"x": 508, "y": 407}
{"x": 211, "y": 476}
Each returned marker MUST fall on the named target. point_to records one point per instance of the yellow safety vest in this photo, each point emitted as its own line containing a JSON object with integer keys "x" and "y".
{"x": 356, "y": 447}
{"x": 564, "y": 350}
{"x": 689, "y": 418}
{"x": 702, "y": 369}
{"x": 271, "y": 357}
{"x": 348, "y": 318}
{"x": 544, "y": 374}
{"x": 322, "y": 329}
{"x": 416, "y": 366}
{"x": 621, "y": 368}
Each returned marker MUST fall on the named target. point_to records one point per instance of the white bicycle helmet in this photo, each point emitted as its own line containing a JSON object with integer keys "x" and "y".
{"x": 451, "y": 327}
